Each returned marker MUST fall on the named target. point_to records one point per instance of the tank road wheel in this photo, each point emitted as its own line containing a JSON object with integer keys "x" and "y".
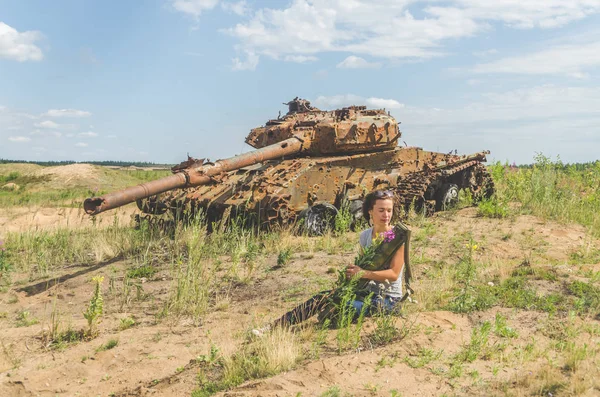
{"x": 318, "y": 218}
{"x": 447, "y": 197}
{"x": 357, "y": 214}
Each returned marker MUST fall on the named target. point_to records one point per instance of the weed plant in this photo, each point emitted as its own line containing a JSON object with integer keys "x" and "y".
{"x": 343, "y": 221}
{"x": 25, "y": 319}
{"x": 126, "y": 323}
{"x": 95, "y": 308}
{"x": 284, "y": 256}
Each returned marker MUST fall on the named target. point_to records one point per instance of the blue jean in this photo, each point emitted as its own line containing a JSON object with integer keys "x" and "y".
{"x": 387, "y": 304}
{"x": 315, "y": 304}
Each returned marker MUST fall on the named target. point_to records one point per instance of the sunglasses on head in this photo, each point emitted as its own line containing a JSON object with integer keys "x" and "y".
{"x": 383, "y": 194}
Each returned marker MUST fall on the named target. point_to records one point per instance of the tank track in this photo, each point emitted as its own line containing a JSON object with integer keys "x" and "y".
{"x": 484, "y": 183}
{"x": 411, "y": 191}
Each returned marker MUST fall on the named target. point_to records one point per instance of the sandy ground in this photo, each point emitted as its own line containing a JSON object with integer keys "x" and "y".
{"x": 155, "y": 357}
{"x": 21, "y": 219}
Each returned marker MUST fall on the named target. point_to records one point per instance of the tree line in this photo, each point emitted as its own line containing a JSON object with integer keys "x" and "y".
{"x": 103, "y": 163}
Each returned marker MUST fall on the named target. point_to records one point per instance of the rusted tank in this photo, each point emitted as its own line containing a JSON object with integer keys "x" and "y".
{"x": 308, "y": 164}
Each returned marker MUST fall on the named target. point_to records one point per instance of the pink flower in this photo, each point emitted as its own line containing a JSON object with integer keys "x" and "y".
{"x": 2, "y": 246}
{"x": 388, "y": 236}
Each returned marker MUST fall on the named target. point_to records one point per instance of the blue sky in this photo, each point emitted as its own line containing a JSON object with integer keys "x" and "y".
{"x": 156, "y": 80}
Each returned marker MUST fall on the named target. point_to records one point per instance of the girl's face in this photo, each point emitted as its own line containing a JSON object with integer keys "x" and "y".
{"x": 382, "y": 212}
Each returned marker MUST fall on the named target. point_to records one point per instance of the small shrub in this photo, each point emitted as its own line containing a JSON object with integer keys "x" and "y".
{"x": 492, "y": 208}
{"x": 95, "y": 308}
{"x": 126, "y": 323}
{"x": 284, "y": 256}
{"x": 502, "y": 329}
{"x": 24, "y": 319}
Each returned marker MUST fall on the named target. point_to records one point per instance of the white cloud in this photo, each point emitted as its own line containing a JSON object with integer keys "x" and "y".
{"x": 339, "y": 101}
{"x": 485, "y": 53}
{"x": 525, "y": 14}
{"x": 19, "y": 46}
{"x": 384, "y": 103}
{"x": 55, "y": 134}
{"x": 540, "y": 102}
{"x": 194, "y": 7}
{"x": 89, "y": 134}
{"x": 354, "y": 62}
{"x": 300, "y": 58}
{"x": 67, "y": 113}
{"x": 249, "y": 64}
{"x": 47, "y": 124}
{"x": 81, "y": 144}
{"x": 239, "y": 8}
{"x": 387, "y": 29}
{"x": 12, "y": 120}
{"x": 19, "y": 138}
{"x": 571, "y": 60}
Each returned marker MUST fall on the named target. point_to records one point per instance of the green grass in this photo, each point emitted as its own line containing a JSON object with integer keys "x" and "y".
{"x": 48, "y": 191}
{"x": 144, "y": 271}
{"x": 492, "y": 208}
{"x": 423, "y": 357}
{"x": 550, "y": 189}
{"x": 111, "y": 344}
{"x": 587, "y": 297}
{"x": 278, "y": 351}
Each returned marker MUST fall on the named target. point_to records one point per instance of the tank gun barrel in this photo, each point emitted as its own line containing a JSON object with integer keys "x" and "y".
{"x": 193, "y": 176}
{"x": 479, "y": 156}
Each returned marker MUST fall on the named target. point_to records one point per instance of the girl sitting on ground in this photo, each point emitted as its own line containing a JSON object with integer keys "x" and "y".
{"x": 383, "y": 285}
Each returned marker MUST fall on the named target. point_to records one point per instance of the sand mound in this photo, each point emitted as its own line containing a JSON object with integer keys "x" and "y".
{"x": 21, "y": 168}
{"x": 11, "y": 186}
{"x": 71, "y": 173}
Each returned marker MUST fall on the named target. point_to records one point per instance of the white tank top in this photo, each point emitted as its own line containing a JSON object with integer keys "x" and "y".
{"x": 393, "y": 288}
